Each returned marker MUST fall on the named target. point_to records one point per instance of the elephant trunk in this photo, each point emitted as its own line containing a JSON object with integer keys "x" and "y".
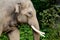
{"x": 35, "y": 26}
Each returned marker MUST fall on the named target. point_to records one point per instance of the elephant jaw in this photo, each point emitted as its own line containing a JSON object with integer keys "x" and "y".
{"x": 39, "y": 32}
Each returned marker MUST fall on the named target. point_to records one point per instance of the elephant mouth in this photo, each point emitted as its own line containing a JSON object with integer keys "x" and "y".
{"x": 39, "y": 32}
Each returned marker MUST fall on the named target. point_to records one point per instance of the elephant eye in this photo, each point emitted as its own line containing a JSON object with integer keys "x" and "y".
{"x": 29, "y": 14}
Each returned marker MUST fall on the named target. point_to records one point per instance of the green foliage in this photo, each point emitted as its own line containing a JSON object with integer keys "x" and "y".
{"x": 48, "y": 23}
{"x": 4, "y": 36}
{"x": 48, "y": 17}
{"x": 40, "y": 5}
{"x": 25, "y": 32}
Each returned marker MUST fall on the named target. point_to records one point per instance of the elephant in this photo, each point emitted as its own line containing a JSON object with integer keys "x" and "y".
{"x": 13, "y": 12}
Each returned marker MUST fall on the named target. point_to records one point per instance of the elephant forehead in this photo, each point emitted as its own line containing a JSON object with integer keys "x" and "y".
{"x": 26, "y": 4}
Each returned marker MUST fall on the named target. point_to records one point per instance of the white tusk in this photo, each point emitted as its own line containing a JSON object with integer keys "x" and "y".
{"x": 39, "y": 32}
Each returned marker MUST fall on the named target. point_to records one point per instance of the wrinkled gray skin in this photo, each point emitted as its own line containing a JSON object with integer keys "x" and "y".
{"x": 9, "y": 17}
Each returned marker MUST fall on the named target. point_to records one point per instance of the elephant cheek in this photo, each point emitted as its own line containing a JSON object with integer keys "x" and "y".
{"x": 33, "y": 21}
{"x": 22, "y": 19}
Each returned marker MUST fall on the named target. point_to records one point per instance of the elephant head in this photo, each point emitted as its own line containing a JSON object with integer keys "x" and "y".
{"x": 27, "y": 14}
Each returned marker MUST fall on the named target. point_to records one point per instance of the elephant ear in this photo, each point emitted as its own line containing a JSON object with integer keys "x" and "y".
{"x": 18, "y": 7}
